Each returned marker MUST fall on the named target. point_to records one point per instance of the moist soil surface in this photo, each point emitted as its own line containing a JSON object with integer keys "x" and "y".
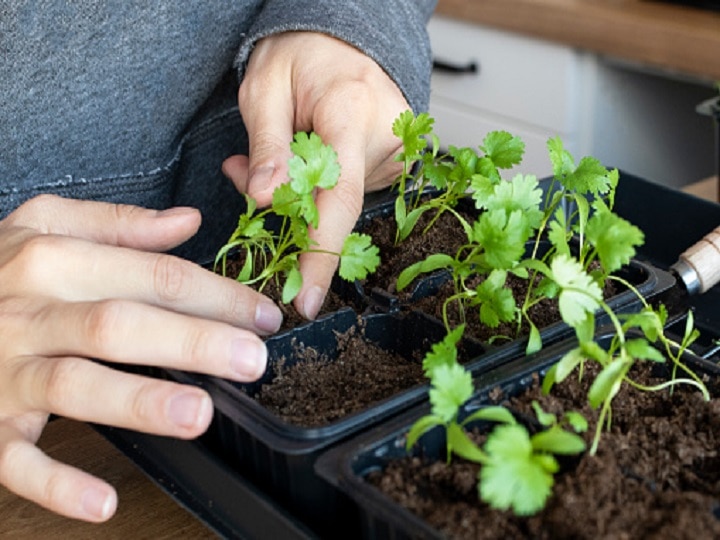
{"x": 445, "y": 236}
{"x": 656, "y": 475}
{"x": 320, "y": 390}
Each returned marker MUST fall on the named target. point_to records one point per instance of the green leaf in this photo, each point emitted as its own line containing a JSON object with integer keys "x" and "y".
{"x": 465, "y": 165}
{"x": 483, "y": 188}
{"x": 607, "y": 383}
{"x": 497, "y": 303}
{"x": 420, "y": 427}
{"x": 585, "y": 330}
{"x": 521, "y": 193}
{"x": 292, "y": 286}
{"x": 545, "y": 418}
{"x": 614, "y": 238}
{"x": 443, "y": 352}
{"x": 513, "y": 477}
{"x": 459, "y": 443}
{"x": 558, "y": 233}
{"x": 534, "y": 340}
{"x": 314, "y": 164}
{"x": 432, "y": 263}
{"x": 400, "y": 212}
{"x": 358, "y": 257}
{"x": 246, "y": 271}
{"x": 502, "y": 237}
{"x": 642, "y": 350}
{"x": 549, "y": 379}
{"x": 579, "y": 293}
{"x": 649, "y": 321}
{"x": 410, "y": 220}
{"x": 577, "y": 421}
{"x": 503, "y": 149}
{"x": 589, "y": 177}
{"x": 567, "y": 364}
{"x": 562, "y": 162}
{"x": 451, "y": 387}
{"x": 558, "y": 441}
{"x": 491, "y": 413}
{"x": 411, "y": 130}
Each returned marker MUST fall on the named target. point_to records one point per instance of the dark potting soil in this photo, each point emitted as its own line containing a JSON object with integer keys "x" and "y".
{"x": 656, "y": 475}
{"x": 319, "y": 390}
{"x": 445, "y": 236}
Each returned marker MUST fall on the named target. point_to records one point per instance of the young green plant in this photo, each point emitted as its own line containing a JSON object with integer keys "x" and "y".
{"x": 274, "y": 254}
{"x": 517, "y": 469}
{"x": 512, "y": 212}
{"x": 448, "y": 173}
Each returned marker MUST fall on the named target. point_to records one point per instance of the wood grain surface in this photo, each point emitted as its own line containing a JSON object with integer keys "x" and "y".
{"x": 657, "y": 34}
{"x": 144, "y": 510}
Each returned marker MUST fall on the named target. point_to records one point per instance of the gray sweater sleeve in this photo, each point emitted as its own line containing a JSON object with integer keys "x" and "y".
{"x": 391, "y": 32}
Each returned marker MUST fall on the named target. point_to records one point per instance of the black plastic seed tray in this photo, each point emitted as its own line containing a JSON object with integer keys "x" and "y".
{"x": 280, "y": 455}
{"x": 347, "y": 465}
{"x": 215, "y": 487}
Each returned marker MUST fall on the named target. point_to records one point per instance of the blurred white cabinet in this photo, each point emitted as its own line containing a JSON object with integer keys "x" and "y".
{"x": 528, "y": 87}
{"x": 640, "y": 121}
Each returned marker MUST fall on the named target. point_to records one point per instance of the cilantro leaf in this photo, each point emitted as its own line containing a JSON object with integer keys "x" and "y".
{"x": 514, "y": 477}
{"x": 503, "y": 149}
{"x": 562, "y": 162}
{"x": 579, "y": 293}
{"x": 443, "y": 352}
{"x": 502, "y": 236}
{"x": 451, "y": 387}
{"x": 589, "y": 177}
{"x": 483, "y": 188}
{"x": 411, "y": 130}
{"x": 313, "y": 165}
{"x": 614, "y": 238}
{"x": 358, "y": 257}
{"x": 520, "y": 193}
{"x": 497, "y": 303}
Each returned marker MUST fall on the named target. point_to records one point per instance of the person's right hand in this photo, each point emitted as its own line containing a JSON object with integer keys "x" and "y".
{"x": 85, "y": 280}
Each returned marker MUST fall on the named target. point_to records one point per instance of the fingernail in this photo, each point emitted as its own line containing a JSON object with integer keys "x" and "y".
{"x": 190, "y": 410}
{"x": 98, "y": 503}
{"x": 249, "y": 358}
{"x": 268, "y": 317}
{"x": 260, "y": 180}
{"x": 313, "y": 301}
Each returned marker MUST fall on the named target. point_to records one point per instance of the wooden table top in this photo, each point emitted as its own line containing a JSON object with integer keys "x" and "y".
{"x": 144, "y": 510}
{"x": 656, "y": 34}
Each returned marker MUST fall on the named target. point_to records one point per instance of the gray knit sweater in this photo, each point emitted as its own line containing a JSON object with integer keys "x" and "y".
{"x": 135, "y": 101}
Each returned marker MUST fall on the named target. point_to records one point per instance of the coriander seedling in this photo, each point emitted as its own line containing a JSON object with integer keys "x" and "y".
{"x": 516, "y": 468}
{"x": 271, "y": 254}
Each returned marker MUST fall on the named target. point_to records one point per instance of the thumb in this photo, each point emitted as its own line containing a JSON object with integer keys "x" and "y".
{"x": 115, "y": 224}
{"x": 268, "y": 113}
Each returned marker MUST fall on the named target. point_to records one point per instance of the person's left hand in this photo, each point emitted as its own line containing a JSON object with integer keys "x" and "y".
{"x": 303, "y": 81}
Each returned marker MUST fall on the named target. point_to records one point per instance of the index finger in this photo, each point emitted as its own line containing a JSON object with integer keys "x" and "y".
{"x": 339, "y": 209}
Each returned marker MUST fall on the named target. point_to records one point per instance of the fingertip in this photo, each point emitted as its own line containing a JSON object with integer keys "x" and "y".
{"x": 98, "y": 503}
{"x": 268, "y": 317}
{"x": 235, "y": 168}
{"x": 260, "y": 185}
{"x": 191, "y": 411}
{"x": 310, "y": 301}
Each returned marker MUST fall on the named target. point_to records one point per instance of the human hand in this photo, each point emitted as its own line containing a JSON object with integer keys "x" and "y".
{"x": 302, "y": 81}
{"x": 81, "y": 280}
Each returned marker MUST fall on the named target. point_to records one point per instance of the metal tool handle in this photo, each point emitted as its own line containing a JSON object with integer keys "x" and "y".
{"x": 699, "y": 266}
